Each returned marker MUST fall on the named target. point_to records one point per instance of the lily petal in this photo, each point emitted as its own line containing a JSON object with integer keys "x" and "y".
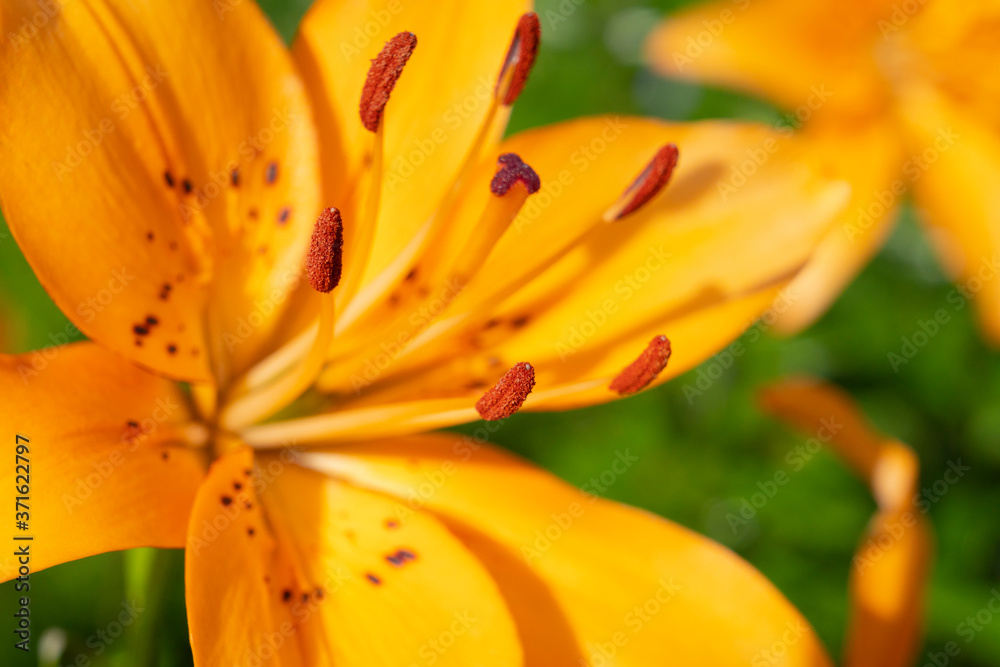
{"x": 953, "y": 137}
{"x": 102, "y": 461}
{"x": 891, "y": 565}
{"x": 402, "y": 591}
{"x": 877, "y": 190}
{"x": 159, "y": 173}
{"x": 235, "y": 575}
{"x": 783, "y": 50}
{"x": 437, "y": 108}
{"x": 582, "y": 574}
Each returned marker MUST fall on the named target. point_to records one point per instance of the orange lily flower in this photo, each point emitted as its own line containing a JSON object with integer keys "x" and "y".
{"x": 895, "y": 97}
{"x": 162, "y": 167}
{"x": 892, "y": 561}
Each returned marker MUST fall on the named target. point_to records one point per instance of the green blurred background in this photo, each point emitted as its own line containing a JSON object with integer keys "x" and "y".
{"x": 697, "y": 458}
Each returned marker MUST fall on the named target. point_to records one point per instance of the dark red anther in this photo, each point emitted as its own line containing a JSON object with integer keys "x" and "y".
{"x": 508, "y": 395}
{"x": 637, "y": 375}
{"x": 325, "y": 261}
{"x": 521, "y": 57}
{"x": 653, "y": 178}
{"x": 382, "y": 77}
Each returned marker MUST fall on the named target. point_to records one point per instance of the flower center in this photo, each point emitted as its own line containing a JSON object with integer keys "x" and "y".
{"x": 441, "y": 259}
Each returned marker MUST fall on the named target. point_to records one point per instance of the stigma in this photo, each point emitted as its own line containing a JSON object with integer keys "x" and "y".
{"x": 511, "y": 169}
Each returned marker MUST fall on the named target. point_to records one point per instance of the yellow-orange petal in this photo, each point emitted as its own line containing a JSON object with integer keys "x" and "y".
{"x": 102, "y": 467}
{"x": 809, "y": 55}
{"x": 674, "y": 596}
{"x": 890, "y": 566}
{"x": 407, "y": 590}
{"x": 236, "y": 575}
{"x": 879, "y": 182}
{"x": 436, "y": 110}
{"x": 956, "y": 161}
{"x": 159, "y": 173}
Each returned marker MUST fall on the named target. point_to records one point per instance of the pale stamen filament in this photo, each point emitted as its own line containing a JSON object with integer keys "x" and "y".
{"x": 261, "y": 404}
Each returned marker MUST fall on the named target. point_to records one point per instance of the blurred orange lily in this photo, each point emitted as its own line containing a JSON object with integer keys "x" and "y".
{"x": 895, "y": 97}
{"x": 891, "y": 564}
{"x": 162, "y": 168}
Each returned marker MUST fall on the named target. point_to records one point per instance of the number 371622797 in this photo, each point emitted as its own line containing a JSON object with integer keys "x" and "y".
{"x": 22, "y": 481}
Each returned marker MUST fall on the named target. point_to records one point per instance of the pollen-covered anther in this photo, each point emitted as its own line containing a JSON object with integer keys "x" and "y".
{"x": 520, "y": 58}
{"x": 324, "y": 263}
{"x": 649, "y": 183}
{"x": 382, "y": 77}
{"x": 510, "y": 170}
{"x": 637, "y": 375}
{"x": 507, "y": 396}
